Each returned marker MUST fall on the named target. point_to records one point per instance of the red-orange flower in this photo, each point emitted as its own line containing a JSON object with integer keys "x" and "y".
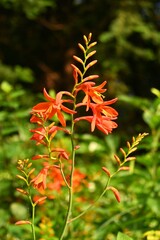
{"x": 102, "y": 116}
{"x": 37, "y": 118}
{"x": 56, "y": 180}
{"x": 92, "y": 93}
{"x": 52, "y": 107}
{"x": 41, "y": 133}
{"x": 103, "y": 108}
{"x": 78, "y": 179}
{"x": 104, "y": 124}
{"x": 39, "y": 181}
{"x": 61, "y": 152}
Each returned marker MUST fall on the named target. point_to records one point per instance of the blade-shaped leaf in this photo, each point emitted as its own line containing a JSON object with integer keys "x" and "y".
{"x": 122, "y": 236}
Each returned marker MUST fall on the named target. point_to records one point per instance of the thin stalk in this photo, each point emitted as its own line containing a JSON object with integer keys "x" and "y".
{"x": 33, "y": 225}
{"x": 33, "y": 214}
{"x": 70, "y": 204}
{"x": 69, "y": 211}
{"x": 64, "y": 178}
{"x": 93, "y": 204}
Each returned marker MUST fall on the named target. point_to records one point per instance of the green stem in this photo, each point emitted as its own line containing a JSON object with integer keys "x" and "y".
{"x": 33, "y": 225}
{"x": 33, "y": 214}
{"x": 63, "y": 175}
{"x": 33, "y": 210}
{"x": 69, "y": 211}
{"x": 93, "y": 204}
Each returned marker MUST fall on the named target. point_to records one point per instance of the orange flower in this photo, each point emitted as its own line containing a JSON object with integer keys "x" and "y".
{"x": 52, "y": 107}
{"x": 102, "y": 116}
{"x": 78, "y": 178}
{"x": 104, "y": 124}
{"x": 56, "y": 180}
{"x": 61, "y": 153}
{"x": 103, "y": 108}
{"x": 39, "y": 181}
{"x": 41, "y": 133}
{"x": 91, "y": 92}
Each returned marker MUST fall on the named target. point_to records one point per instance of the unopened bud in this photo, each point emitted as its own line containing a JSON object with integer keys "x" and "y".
{"x": 78, "y": 59}
{"x": 91, "y": 64}
{"x": 20, "y": 162}
{"x": 92, "y": 44}
{"x": 89, "y": 36}
{"x": 90, "y": 77}
{"x": 117, "y": 159}
{"x": 123, "y": 168}
{"x": 77, "y": 69}
{"x": 32, "y": 170}
{"x": 130, "y": 158}
{"x": 90, "y": 54}
{"x": 81, "y": 47}
{"x": 26, "y": 161}
{"x": 22, "y": 222}
{"x": 29, "y": 165}
{"x": 106, "y": 171}
{"x": 128, "y": 144}
{"x": 76, "y": 147}
{"x": 116, "y": 193}
{"x": 132, "y": 150}
{"x": 22, "y": 191}
{"x": 21, "y": 177}
{"x": 40, "y": 200}
{"x": 123, "y": 152}
{"x": 85, "y": 39}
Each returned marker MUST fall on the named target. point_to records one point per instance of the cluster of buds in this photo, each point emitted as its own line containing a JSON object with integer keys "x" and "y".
{"x": 121, "y": 165}
{"x": 24, "y": 166}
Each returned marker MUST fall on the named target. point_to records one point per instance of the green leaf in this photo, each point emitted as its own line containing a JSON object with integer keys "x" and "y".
{"x": 122, "y": 236}
{"x": 19, "y": 211}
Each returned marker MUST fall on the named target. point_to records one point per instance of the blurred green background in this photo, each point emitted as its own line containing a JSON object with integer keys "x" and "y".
{"x": 37, "y": 41}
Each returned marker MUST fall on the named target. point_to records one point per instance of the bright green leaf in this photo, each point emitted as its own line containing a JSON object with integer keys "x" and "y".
{"x": 122, "y": 236}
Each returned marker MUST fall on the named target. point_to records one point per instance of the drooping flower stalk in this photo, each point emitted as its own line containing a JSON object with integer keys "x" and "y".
{"x": 121, "y": 167}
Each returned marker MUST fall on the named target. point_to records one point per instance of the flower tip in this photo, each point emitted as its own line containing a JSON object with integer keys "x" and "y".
{"x": 76, "y": 147}
{"x": 115, "y": 192}
{"x": 106, "y": 171}
{"x": 40, "y": 200}
{"x": 22, "y": 222}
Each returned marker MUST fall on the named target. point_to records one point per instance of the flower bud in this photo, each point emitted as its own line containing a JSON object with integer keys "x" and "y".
{"x": 22, "y": 191}
{"x": 29, "y": 165}
{"x": 106, "y": 171}
{"x": 123, "y": 152}
{"x": 20, "y": 177}
{"x": 116, "y": 193}
{"x": 40, "y": 200}
{"x": 117, "y": 159}
{"x": 22, "y": 222}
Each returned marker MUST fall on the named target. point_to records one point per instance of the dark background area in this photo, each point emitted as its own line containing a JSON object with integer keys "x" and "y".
{"x": 43, "y": 36}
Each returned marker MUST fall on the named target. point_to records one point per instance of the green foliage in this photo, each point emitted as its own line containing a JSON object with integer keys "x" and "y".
{"x": 15, "y": 74}
{"x": 122, "y": 236}
{"x": 15, "y": 101}
{"x": 30, "y": 8}
{"x": 130, "y": 45}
